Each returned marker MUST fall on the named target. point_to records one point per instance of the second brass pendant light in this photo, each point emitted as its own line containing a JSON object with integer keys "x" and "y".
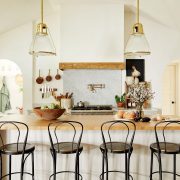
{"x": 137, "y": 43}
{"x": 42, "y": 43}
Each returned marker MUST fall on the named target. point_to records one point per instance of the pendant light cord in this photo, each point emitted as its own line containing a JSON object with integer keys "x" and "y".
{"x": 42, "y": 11}
{"x": 138, "y": 11}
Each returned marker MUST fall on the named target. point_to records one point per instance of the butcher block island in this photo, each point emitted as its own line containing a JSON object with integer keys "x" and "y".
{"x": 90, "y": 122}
{"x": 91, "y": 157}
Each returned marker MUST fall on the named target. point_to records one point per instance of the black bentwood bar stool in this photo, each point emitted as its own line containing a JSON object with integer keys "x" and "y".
{"x": 19, "y": 147}
{"x": 124, "y": 146}
{"x": 71, "y": 147}
{"x": 164, "y": 147}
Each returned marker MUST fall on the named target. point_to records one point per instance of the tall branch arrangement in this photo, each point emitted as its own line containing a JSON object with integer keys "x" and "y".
{"x": 139, "y": 93}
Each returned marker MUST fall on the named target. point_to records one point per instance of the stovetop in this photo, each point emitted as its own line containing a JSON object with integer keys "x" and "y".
{"x": 94, "y": 109}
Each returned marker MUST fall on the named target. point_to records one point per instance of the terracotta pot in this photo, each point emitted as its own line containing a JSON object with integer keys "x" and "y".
{"x": 120, "y": 104}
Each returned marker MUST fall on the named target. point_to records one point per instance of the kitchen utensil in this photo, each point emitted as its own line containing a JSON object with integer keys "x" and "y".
{"x": 70, "y": 96}
{"x": 66, "y": 95}
{"x": 49, "y": 77}
{"x": 40, "y": 79}
{"x": 66, "y": 103}
{"x": 80, "y": 104}
{"x": 42, "y": 91}
{"x": 58, "y": 76}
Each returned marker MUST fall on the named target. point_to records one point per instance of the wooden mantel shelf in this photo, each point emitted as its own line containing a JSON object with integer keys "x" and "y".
{"x": 92, "y": 65}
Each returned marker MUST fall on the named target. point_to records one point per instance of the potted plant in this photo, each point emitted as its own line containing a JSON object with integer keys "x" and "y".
{"x": 120, "y": 100}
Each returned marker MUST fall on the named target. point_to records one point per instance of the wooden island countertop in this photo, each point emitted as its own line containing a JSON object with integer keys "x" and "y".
{"x": 90, "y": 122}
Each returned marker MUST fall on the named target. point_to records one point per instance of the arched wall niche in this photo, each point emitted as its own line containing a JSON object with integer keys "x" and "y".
{"x": 11, "y": 87}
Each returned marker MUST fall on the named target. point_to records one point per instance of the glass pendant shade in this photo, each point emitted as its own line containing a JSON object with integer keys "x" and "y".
{"x": 42, "y": 45}
{"x": 137, "y": 45}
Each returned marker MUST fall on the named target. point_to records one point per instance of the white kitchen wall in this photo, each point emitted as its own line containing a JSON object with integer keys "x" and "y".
{"x": 77, "y": 81}
{"x": 88, "y": 32}
{"x": 92, "y": 32}
{"x": 14, "y": 45}
{"x": 164, "y": 44}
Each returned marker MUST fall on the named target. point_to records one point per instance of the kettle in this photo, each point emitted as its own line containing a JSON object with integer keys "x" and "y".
{"x": 80, "y": 104}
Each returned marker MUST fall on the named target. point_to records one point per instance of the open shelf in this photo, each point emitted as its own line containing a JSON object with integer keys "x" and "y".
{"x": 92, "y": 65}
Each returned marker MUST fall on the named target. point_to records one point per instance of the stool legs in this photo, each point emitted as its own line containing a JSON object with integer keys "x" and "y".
{"x": 102, "y": 165}
{"x": 54, "y": 164}
{"x": 10, "y": 160}
{"x": 0, "y": 166}
{"x": 77, "y": 167}
{"x": 174, "y": 160}
{"x": 105, "y": 163}
{"x": 32, "y": 157}
{"x": 151, "y": 165}
{"x": 106, "y": 159}
{"x": 160, "y": 166}
{"x": 126, "y": 166}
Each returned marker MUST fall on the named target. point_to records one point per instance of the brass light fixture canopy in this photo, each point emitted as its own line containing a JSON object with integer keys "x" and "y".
{"x": 42, "y": 44}
{"x": 137, "y": 43}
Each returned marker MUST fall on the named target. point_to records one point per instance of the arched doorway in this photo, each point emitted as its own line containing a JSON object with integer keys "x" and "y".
{"x": 11, "y": 87}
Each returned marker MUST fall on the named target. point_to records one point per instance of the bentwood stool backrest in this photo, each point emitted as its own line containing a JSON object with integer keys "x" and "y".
{"x": 127, "y": 137}
{"x": 121, "y": 143}
{"x": 55, "y": 138}
{"x": 161, "y": 134}
{"x": 164, "y": 145}
{"x": 18, "y": 146}
{"x": 66, "y": 145}
{"x": 19, "y": 139}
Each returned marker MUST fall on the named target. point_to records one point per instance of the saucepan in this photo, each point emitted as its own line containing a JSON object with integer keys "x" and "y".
{"x": 80, "y": 104}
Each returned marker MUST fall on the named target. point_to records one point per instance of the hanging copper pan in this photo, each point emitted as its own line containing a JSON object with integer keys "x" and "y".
{"x": 58, "y": 76}
{"x": 40, "y": 79}
{"x": 49, "y": 77}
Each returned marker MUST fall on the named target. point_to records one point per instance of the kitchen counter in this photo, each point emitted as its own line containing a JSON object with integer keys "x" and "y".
{"x": 91, "y": 157}
{"x": 90, "y": 122}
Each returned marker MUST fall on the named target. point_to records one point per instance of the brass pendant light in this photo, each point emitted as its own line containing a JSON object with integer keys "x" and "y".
{"x": 137, "y": 43}
{"x": 42, "y": 44}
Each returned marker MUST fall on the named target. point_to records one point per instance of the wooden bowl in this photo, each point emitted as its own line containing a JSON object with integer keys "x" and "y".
{"x": 48, "y": 114}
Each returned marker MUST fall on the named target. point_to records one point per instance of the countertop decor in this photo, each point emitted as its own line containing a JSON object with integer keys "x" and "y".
{"x": 139, "y": 93}
{"x": 48, "y": 114}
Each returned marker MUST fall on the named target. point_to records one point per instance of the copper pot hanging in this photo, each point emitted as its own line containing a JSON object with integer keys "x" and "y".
{"x": 49, "y": 77}
{"x": 40, "y": 79}
{"x": 58, "y": 76}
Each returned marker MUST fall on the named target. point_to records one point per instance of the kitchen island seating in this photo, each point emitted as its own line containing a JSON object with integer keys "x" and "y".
{"x": 18, "y": 147}
{"x": 68, "y": 147}
{"x": 164, "y": 146}
{"x": 122, "y": 146}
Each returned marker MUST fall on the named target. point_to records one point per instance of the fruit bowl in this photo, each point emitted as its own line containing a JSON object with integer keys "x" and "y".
{"x": 48, "y": 114}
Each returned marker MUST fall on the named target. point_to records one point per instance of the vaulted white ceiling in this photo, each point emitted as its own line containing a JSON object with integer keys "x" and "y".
{"x": 17, "y": 12}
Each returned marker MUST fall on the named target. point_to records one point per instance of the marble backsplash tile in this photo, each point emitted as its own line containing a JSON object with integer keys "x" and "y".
{"x": 77, "y": 81}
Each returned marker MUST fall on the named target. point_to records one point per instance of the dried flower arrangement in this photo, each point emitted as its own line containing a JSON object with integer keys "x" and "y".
{"x": 139, "y": 93}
